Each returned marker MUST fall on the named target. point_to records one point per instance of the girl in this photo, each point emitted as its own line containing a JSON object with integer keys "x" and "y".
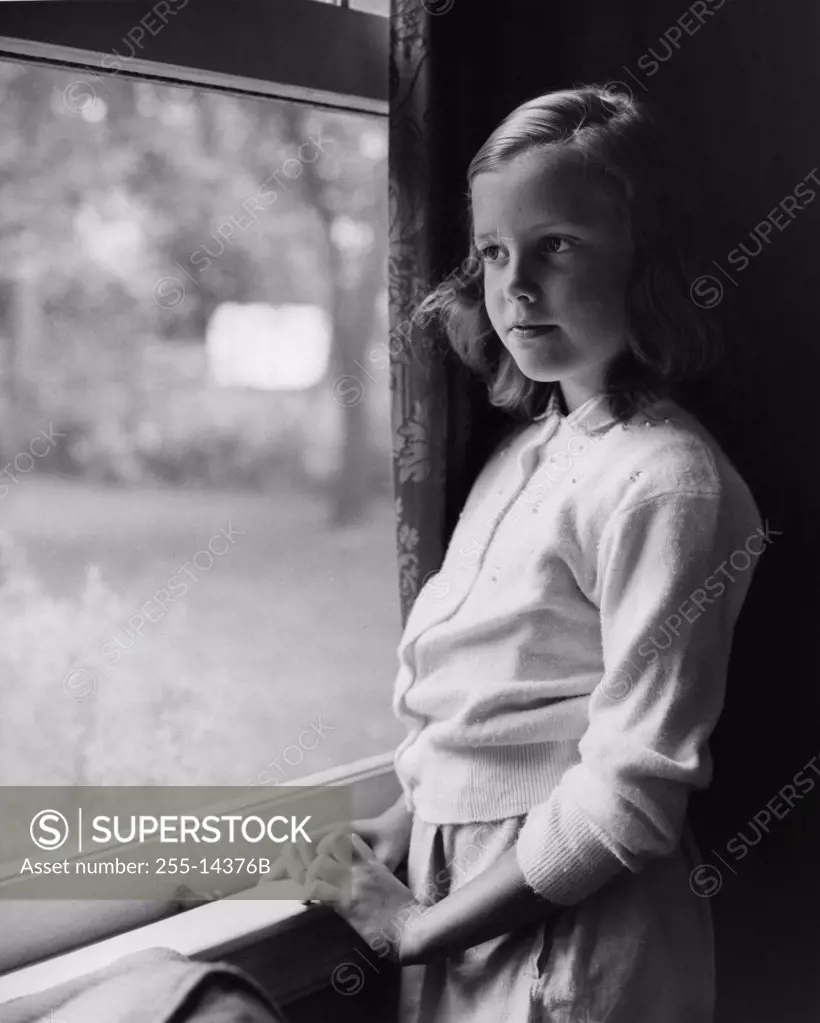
{"x": 561, "y": 675}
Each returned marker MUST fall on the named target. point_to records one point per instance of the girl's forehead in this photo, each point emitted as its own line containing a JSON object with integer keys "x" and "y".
{"x": 543, "y": 185}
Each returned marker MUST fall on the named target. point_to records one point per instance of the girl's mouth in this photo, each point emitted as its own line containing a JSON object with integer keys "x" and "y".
{"x": 532, "y": 333}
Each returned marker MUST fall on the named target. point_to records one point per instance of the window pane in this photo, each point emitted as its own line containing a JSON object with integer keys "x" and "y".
{"x": 379, "y": 7}
{"x": 198, "y": 577}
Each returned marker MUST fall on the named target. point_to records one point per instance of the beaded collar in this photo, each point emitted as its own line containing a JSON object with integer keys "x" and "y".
{"x": 595, "y": 414}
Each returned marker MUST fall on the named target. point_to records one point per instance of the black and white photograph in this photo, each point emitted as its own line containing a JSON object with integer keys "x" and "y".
{"x": 408, "y": 568}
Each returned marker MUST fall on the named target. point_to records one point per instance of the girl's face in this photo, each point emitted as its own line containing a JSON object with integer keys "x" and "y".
{"x": 557, "y": 255}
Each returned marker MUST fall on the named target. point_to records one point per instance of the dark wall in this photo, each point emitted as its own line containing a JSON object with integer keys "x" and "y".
{"x": 743, "y": 89}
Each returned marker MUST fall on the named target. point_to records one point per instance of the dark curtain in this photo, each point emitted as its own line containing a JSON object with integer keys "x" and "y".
{"x": 739, "y": 87}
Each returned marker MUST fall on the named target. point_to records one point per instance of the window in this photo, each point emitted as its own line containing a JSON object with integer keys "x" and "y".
{"x": 199, "y": 576}
{"x": 198, "y": 572}
{"x": 381, "y": 7}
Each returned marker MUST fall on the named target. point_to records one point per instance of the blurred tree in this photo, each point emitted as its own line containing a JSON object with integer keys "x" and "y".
{"x": 110, "y": 186}
{"x": 341, "y": 193}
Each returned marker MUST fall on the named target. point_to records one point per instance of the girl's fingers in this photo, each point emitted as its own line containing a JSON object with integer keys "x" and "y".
{"x": 331, "y": 859}
{"x": 335, "y": 843}
{"x": 305, "y": 851}
{"x": 361, "y": 849}
{"x": 344, "y": 846}
{"x": 298, "y": 859}
{"x": 327, "y": 870}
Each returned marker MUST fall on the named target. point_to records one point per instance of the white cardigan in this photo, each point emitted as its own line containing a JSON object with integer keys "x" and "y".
{"x": 569, "y": 659}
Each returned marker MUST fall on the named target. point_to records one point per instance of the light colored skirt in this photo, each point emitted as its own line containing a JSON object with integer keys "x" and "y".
{"x": 639, "y": 950}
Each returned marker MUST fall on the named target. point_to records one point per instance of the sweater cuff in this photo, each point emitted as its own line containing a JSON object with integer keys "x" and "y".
{"x": 564, "y": 857}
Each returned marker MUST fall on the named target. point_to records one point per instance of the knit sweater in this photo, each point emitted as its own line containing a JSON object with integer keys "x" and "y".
{"x": 568, "y": 661}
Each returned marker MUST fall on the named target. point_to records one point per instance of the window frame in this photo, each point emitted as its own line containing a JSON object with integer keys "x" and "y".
{"x": 228, "y": 47}
{"x": 207, "y": 932}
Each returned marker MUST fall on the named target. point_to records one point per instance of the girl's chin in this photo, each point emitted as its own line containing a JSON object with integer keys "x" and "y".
{"x": 540, "y": 369}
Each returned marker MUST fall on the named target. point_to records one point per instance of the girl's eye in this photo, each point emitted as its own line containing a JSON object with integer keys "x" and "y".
{"x": 489, "y": 253}
{"x": 553, "y": 243}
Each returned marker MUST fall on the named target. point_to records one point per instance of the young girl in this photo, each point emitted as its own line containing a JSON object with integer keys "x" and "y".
{"x": 561, "y": 675}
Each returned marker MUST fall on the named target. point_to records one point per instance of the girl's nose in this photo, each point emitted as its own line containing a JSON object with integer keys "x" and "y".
{"x": 520, "y": 284}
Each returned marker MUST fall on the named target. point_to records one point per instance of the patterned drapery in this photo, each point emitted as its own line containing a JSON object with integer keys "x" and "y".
{"x": 418, "y": 385}
{"x": 443, "y": 424}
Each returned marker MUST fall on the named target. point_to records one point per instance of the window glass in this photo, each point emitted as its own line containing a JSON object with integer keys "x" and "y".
{"x": 380, "y": 7}
{"x": 198, "y": 574}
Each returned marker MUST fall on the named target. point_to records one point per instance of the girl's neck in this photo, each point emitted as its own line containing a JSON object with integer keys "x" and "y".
{"x": 577, "y": 400}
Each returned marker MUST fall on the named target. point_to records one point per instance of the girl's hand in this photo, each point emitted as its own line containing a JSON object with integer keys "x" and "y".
{"x": 377, "y": 905}
{"x": 388, "y": 835}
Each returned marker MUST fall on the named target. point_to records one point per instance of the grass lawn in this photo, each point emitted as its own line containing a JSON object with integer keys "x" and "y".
{"x": 285, "y": 642}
